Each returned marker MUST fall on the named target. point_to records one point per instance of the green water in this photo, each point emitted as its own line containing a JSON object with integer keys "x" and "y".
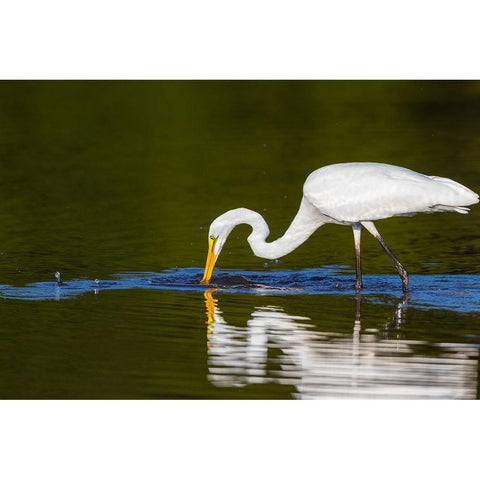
{"x": 102, "y": 178}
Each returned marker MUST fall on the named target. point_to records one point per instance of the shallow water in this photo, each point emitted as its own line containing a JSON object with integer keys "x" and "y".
{"x": 452, "y": 292}
{"x": 250, "y": 334}
{"x": 114, "y": 184}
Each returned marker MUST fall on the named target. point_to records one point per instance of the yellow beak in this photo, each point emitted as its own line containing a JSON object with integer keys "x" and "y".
{"x": 211, "y": 258}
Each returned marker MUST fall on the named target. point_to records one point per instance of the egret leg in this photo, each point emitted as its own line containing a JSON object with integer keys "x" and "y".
{"x": 357, "y": 230}
{"x": 400, "y": 268}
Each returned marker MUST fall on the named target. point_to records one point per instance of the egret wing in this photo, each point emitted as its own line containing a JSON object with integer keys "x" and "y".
{"x": 358, "y": 192}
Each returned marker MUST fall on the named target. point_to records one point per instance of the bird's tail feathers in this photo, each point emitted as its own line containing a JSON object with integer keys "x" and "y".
{"x": 463, "y": 195}
{"x": 447, "y": 208}
{"x": 461, "y": 210}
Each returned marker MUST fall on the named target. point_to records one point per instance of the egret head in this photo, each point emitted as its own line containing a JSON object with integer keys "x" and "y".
{"x": 217, "y": 235}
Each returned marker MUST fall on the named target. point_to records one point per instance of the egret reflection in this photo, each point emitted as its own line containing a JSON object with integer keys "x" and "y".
{"x": 274, "y": 346}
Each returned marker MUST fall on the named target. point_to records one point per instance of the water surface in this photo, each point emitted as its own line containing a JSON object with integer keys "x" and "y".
{"x": 114, "y": 184}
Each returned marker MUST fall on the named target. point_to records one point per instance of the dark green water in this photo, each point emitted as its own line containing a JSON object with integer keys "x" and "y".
{"x": 107, "y": 178}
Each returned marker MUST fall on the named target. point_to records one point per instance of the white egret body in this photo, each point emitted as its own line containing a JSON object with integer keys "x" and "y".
{"x": 352, "y": 194}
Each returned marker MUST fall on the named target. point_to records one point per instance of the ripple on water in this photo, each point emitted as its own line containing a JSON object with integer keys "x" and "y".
{"x": 453, "y": 292}
{"x": 324, "y": 364}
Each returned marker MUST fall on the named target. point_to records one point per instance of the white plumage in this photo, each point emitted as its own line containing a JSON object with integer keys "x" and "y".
{"x": 356, "y": 192}
{"x": 352, "y": 194}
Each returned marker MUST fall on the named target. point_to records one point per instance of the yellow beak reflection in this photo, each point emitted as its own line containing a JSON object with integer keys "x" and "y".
{"x": 210, "y": 303}
{"x": 211, "y": 258}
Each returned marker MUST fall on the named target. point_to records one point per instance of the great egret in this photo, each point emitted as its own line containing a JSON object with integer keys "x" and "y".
{"x": 352, "y": 194}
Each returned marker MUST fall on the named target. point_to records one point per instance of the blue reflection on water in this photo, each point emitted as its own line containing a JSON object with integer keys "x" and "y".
{"x": 452, "y": 292}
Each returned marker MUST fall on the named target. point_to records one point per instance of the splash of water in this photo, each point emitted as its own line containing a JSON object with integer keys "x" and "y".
{"x": 453, "y": 292}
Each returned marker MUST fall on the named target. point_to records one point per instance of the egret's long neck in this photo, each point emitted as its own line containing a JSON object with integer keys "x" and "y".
{"x": 303, "y": 225}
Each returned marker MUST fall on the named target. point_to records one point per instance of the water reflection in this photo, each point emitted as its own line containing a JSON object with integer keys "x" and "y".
{"x": 277, "y": 347}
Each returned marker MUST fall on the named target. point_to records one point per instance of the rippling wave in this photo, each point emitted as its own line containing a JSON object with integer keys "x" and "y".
{"x": 453, "y": 292}
{"x": 320, "y": 364}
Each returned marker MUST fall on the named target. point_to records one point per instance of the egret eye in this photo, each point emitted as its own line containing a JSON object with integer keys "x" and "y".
{"x": 212, "y": 237}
